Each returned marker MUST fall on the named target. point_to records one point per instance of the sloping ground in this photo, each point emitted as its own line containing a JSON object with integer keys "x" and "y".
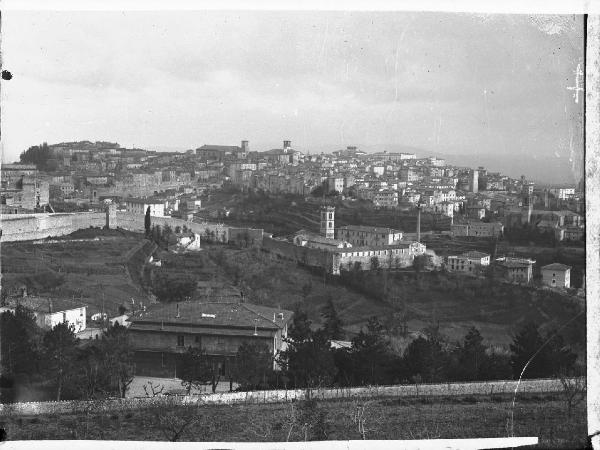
{"x": 93, "y": 271}
{"x": 455, "y": 302}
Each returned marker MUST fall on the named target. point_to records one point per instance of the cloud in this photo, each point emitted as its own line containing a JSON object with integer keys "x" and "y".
{"x": 318, "y": 78}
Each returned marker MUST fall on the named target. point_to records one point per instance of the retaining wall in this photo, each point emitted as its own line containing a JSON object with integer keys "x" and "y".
{"x": 27, "y": 227}
{"x": 313, "y": 257}
{"x": 282, "y": 396}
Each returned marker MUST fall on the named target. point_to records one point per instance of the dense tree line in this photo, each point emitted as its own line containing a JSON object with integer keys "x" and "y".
{"x": 311, "y": 361}
{"x": 57, "y": 361}
{"x": 38, "y": 155}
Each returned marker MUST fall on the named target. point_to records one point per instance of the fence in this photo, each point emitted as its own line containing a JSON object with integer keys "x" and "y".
{"x": 283, "y": 396}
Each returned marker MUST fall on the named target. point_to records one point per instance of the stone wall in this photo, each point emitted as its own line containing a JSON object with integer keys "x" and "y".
{"x": 26, "y": 227}
{"x": 312, "y": 257}
{"x": 506, "y": 387}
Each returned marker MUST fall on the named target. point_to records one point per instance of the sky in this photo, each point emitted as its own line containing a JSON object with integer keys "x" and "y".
{"x": 484, "y": 87}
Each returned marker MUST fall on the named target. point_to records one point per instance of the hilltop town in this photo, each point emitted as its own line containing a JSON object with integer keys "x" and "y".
{"x": 223, "y": 268}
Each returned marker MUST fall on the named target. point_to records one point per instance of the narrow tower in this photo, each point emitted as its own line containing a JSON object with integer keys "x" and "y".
{"x": 419, "y": 222}
{"x": 475, "y": 181}
{"x": 327, "y": 222}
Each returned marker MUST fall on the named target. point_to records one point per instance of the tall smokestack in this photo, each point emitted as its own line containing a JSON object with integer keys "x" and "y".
{"x": 419, "y": 222}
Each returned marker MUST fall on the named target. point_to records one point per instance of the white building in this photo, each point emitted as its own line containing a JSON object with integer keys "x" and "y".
{"x": 141, "y": 205}
{"x": 307, "y": 239}
{"x": 478, "y": 229}
{"x": 556, "y": 275}
{"x": 49, "y": 312}
{"x": 563, "y": 193}
{"x": 386, "y": 198}
{"x": 469, "y": 262}
{"x": 359, "y": 235}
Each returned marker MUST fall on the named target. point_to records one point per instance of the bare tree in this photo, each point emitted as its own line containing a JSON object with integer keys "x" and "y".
{"x": 153, "y": 390}
{"x": 574, "y": 391}
{"x": 177, "y": 421}
{"x": 364, "y": 417}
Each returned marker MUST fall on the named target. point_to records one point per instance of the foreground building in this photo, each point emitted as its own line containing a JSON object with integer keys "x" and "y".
{"x": 164, "y": 331}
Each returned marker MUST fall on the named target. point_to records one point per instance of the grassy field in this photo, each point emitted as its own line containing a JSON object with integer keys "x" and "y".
{"x": 544, "y": 416}
{"x": 93, "y": 270}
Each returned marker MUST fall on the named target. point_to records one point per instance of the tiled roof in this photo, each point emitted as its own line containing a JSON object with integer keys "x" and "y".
{"x": 220, "y": 148}
{"x": 514, "y": 264}
{"x": 475, "y": 254}
{"x": 45, "y": 304}
{"x": 368, "y": 229}
{"x": 213, "y": 314}
{"x": 556, "y": 266}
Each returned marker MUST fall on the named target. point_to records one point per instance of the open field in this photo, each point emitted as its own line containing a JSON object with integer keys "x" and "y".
{"x": 78, "y": 267}
{"x": 543, "y": 415}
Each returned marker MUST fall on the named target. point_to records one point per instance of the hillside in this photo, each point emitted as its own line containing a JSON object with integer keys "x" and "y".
{"x": 455, "y": 302}
{"x": 78, "y": 266}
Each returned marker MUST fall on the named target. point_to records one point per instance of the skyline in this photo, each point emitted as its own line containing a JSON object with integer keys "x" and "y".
{"x": 447, "y": 83}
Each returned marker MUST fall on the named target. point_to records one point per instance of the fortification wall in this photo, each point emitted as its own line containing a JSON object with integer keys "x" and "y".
{"x": 26, "y": 227}
{"x": 304, "y": 255}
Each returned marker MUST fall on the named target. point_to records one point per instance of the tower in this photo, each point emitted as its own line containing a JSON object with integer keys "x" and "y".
{"x": 111, "y": 214}
{"x": 328, "y": 221}
{"x": 244, "y": 146}
{"x": 526, "y": 214}
{"x": 287, "y": 144}
{"x": 475, "y": 181}
{"x": 419, "y": 222}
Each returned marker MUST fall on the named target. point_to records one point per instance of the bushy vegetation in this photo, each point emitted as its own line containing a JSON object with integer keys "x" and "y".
{"x": 310, "y": 360}
{"x": 61, "y": 365}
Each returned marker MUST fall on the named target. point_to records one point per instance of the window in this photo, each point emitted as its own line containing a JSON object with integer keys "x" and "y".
{"x": 197, "y": 340}
{"x": 180, "y": 341}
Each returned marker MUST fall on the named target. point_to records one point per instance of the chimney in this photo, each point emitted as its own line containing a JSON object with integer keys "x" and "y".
{"x": 419, "y": 222}
{"x": 177, "y": 311}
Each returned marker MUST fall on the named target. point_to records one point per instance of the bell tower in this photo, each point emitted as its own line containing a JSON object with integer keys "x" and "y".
{"x": 328, "y": 222}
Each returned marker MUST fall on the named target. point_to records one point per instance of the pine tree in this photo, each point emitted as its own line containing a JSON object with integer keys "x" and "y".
{"x": 60, "y": 346}
{"x": 147, "y": 222}
{"x": 333, "y": 326}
